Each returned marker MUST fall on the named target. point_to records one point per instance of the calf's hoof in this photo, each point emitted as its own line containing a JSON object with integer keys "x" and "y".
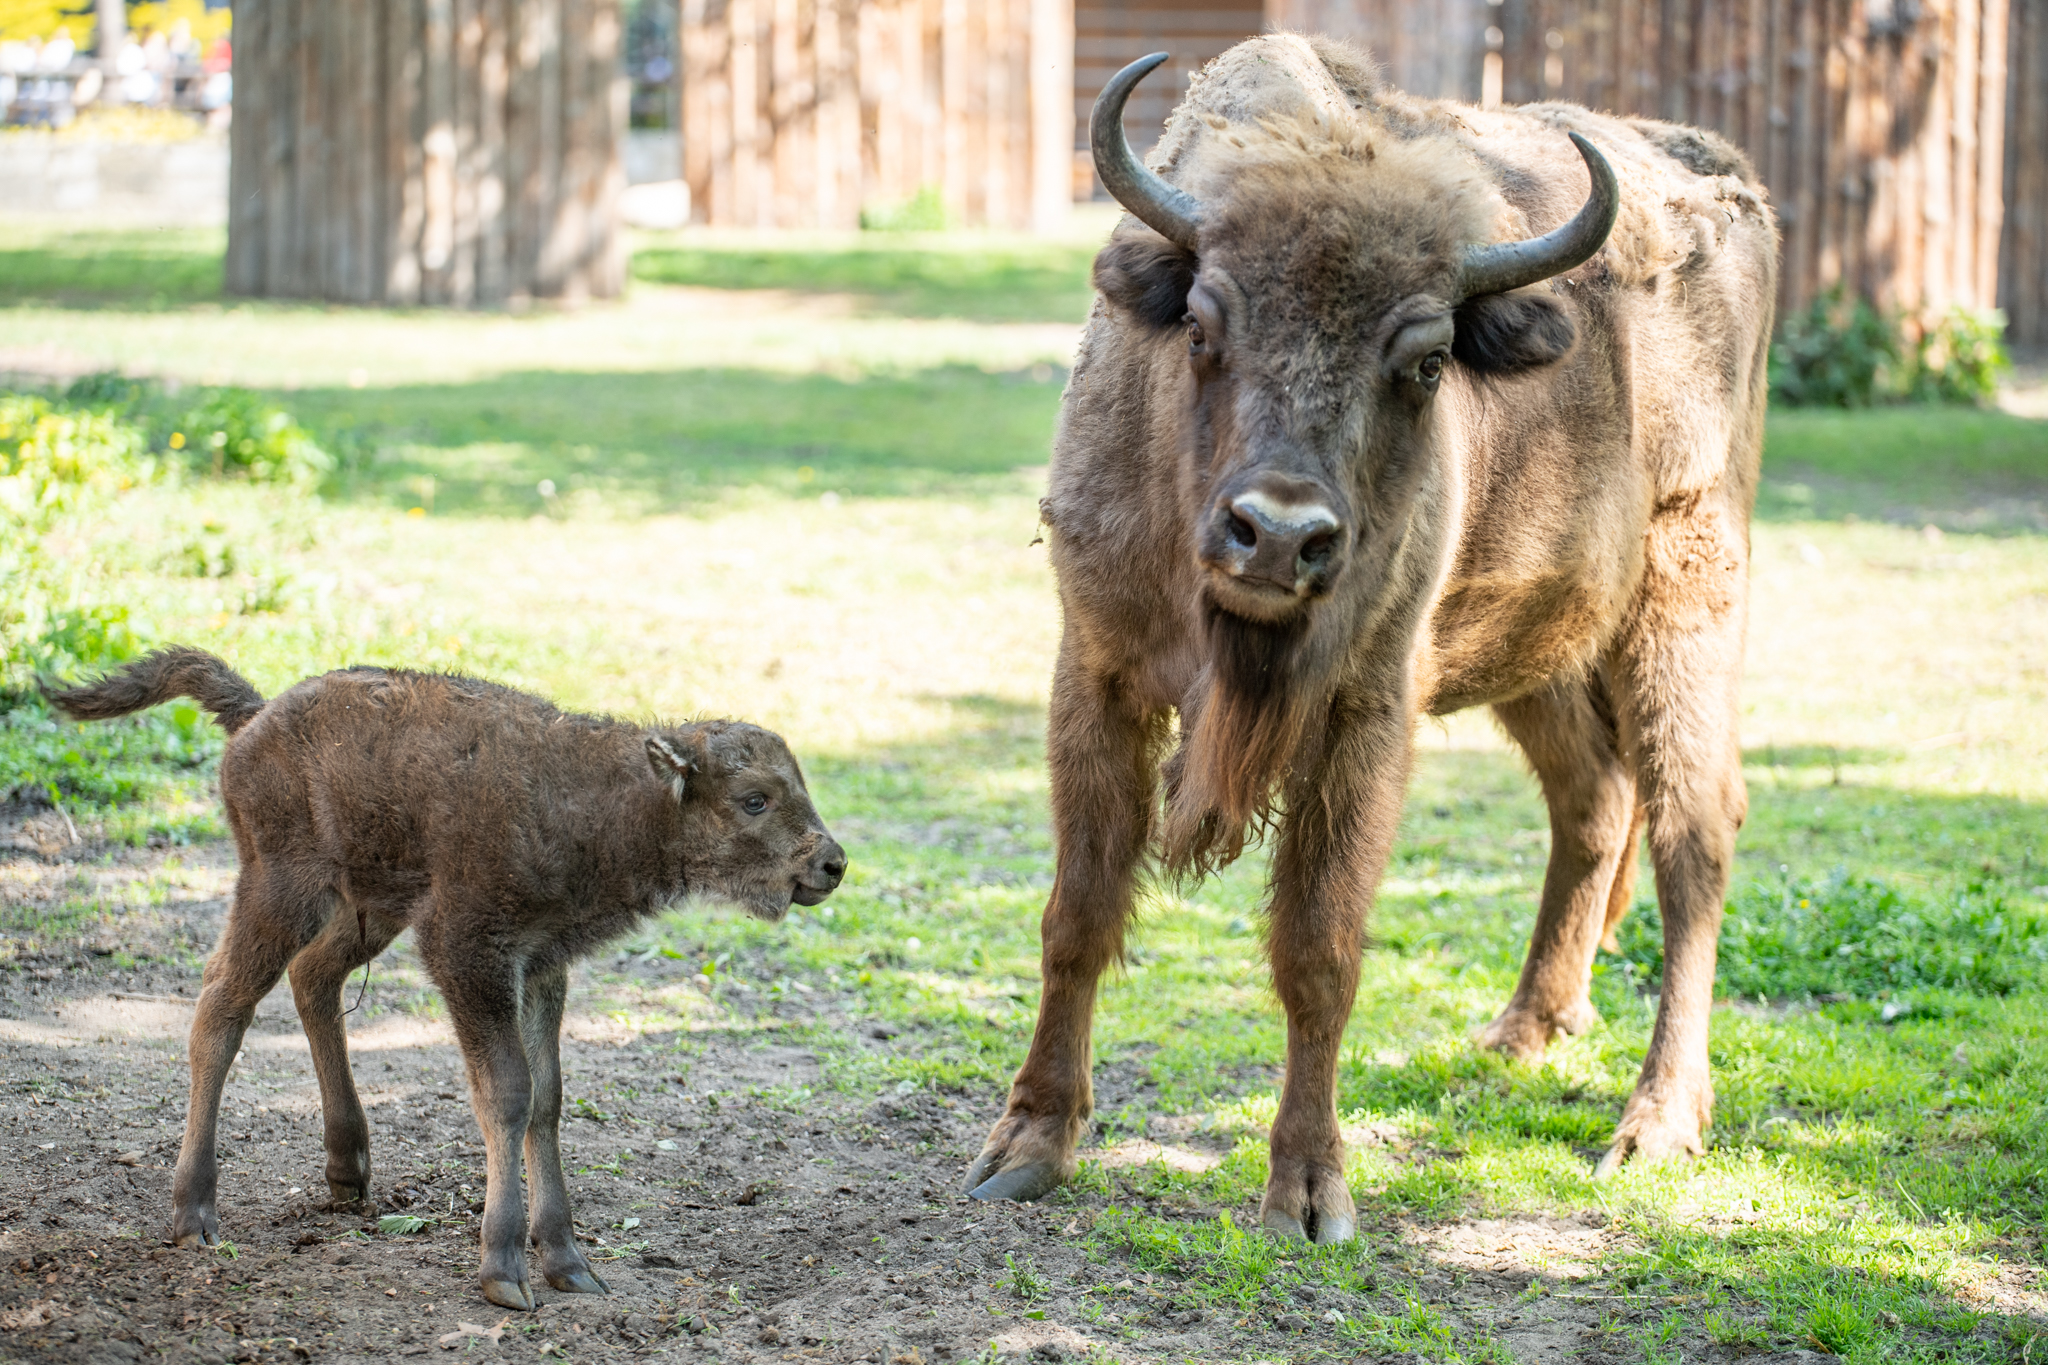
{"x": 581, "y": 1280}
{"x": 1309, "y": 1200}
{"x": 1025, "y": 1158}
{"x": 1524, "y": 1032}
{"x": 511, "y": 1294}
{"x": 195, "y": 1227}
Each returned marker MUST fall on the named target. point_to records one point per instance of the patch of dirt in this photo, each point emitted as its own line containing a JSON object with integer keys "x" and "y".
{"x": 740, "y": 1207}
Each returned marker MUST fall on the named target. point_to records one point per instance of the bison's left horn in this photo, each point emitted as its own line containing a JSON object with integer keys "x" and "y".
{"x": 1173, "y": 214}
{"x": 1503, "y": 266}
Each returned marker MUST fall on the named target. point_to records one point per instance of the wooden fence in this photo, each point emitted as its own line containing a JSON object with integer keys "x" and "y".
{"x": 1877, "y": 124}
{"x": 803, "y": 113}
{"x": 426, "y": 151}
{"x": 2023, "y": 259}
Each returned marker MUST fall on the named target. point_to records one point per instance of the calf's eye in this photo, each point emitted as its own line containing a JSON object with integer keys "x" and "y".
{"x": 1432, "y": 368}
{"x": 754, "y": 804}
{"x": 1196, "y": 339}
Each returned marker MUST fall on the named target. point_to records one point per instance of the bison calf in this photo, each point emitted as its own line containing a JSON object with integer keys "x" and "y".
{"x": 510, "y": 837}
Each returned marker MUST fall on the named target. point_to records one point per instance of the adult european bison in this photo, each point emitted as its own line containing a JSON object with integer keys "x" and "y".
{"x": 1348, "y": 444}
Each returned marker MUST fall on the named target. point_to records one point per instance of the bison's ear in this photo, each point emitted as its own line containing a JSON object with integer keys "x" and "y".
{"x": 1506, "y": 333}
{"x": 1147, "y": 277}
{"x": 675, "y": 766}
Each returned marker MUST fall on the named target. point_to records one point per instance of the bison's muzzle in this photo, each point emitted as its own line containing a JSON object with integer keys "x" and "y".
{"x": 1274, "y": 541}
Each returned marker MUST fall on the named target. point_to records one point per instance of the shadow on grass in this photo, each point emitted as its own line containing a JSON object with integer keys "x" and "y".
{"x": 154, "y": 270}
{"x": 919, "y": 276}
{"x": 1956, "y": 468}
{"x": 662, "y": 442}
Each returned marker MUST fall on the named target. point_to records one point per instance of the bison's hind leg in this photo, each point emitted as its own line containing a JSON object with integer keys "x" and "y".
{"x": 319, "y": 977}
{"x": 276, "y": 911}
{"x": 1568, "y": 732}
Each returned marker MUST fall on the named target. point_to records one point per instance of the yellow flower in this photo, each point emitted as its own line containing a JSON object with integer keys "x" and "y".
{"x": 177, "y": 440}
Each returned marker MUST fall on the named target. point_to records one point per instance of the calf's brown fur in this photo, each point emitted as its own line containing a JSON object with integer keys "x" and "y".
{"x": 1532, "y": 496}
{"x": 510, "y": 837}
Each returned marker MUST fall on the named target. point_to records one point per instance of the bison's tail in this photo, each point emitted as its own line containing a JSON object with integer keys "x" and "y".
{"x": 179, "y": 671}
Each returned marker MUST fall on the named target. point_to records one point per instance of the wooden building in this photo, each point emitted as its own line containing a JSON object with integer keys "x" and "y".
{"x": 804, "y": 113}
{"x": 426, "y": 151}
{"x": 1879, "y": 125}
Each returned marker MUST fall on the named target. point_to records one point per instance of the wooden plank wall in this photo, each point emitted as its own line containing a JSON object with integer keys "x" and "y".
{"x": 1877, "y": 124}
{"x": 1111, "y": 34}
{"x": 426, "y": 151}
{"x": 800, "y": 113}
{"x": 2023, "y": 259}
{"x": 1426, "y": 47}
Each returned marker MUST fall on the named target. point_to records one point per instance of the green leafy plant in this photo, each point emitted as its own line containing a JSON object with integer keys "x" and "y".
{"x": 1843, "y": 352}
{"x": 239, "y": 434}
{"x": 1859, "y": 936}
{"x": 922, "y": 212}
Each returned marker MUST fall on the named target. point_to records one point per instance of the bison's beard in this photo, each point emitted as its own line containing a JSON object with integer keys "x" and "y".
{"x": 1242, "y": 733}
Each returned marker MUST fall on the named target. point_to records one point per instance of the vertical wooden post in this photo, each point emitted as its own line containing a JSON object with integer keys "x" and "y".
{"x": 426, "y": 151}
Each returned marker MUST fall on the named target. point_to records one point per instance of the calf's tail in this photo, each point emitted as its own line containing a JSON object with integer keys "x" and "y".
{"x": 179, "y": 671}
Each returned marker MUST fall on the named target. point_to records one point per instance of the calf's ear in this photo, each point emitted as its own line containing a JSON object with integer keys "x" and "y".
{"x": 1509, "y": 333}
{"x": 1147, "y": 277}
{"x": 672, "y": 765}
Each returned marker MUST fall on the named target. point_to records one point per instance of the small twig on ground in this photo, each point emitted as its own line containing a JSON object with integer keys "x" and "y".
{"x": 67, "y": 820}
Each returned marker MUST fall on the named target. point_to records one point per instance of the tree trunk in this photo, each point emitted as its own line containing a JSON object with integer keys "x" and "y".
{"x": 434, "y": 152}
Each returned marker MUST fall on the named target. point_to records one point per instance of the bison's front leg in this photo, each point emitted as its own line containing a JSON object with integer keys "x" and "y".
{"x": 1100, "y": 750}
{"x": 1340, "y": 823}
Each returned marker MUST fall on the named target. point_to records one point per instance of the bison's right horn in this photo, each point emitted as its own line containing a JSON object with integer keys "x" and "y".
{"x": 1173, "y": 214}
{"x": 1502, "y": 266}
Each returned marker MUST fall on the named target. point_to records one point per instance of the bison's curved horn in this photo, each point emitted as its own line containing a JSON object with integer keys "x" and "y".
{"x": 1501, "y": 266}
{"x": 1173, "y": 214}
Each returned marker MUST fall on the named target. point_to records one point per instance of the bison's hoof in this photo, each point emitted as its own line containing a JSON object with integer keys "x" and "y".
{"x": 580, "y": 1281}
{"x": 1024, "y": 1158}
{"x": 1021, "y": 1183}
{"x": 1524, "y": 1032}
{"x": 508, "y": 1294}
{"x": 204, "y": 1239}
{"x": 1309, "y": 1199}
{"x": 1329, "y": 1229}
{"x": 1653, "y": 1131}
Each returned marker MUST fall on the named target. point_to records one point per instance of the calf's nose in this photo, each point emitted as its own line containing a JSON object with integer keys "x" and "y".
{"x": 829, "y": 865}
{"x": 1288, "y": 542}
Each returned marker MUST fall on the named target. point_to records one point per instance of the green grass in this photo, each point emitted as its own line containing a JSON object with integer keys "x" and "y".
{"x": 670, "y": 441}
{"x": 1956, "y": 468}
{"x": 1878, "y": 1176}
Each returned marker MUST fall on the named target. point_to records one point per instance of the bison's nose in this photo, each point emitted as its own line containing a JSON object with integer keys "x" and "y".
{"x": 1288, "y": 542}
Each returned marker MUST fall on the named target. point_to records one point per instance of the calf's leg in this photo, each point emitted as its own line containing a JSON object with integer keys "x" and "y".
{"x": 1567, "y": 731}
{"x": 1677, "y": 671}
{"x": 1100, "y": 748}
{"x": 552, "y": 1229}
{"x": 483, "y": 990}
{"x": 319, "y": 979}
{"x": 1333, "y": 848}
{"x": 270, "y": 921}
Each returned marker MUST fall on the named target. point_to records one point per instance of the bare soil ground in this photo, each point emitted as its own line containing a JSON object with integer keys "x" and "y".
{"x": 771, "y": 1225}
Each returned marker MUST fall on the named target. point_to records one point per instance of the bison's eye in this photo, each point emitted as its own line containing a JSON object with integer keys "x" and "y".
{"x": 1196, "y": 340}
{"x": 755, "y": 804}
{"x": 1431, "y": 369}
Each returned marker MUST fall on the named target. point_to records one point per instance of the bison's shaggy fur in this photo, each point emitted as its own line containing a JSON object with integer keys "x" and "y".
{"x": 510, "y": 837}
{"x": 1534, "y": 500}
